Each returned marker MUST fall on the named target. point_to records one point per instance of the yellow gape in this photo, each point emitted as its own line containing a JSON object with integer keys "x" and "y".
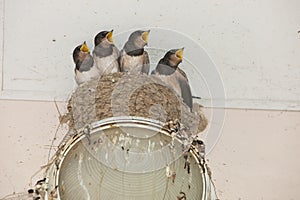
{"x": 179, "y": 53}
{"x": 109, "y": 36}
{"x": 84, "y": 48}
{"x": 145, "y": 36}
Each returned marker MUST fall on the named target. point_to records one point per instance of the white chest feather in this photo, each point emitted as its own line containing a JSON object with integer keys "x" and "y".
{"x": 132, "y": 63}
{"x": 171, "y": 82}
{"x": 85, "y": 76}
{"x": 108, "y": 64}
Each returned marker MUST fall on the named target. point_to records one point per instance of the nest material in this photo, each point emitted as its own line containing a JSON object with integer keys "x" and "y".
{"x": 121, "y": 94}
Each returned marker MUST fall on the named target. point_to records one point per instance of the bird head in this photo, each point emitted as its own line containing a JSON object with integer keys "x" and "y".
{"x": 80, "y": 52}
{"x": 104, "y": 37}
{"x": 139, "y": 38}
{"x": 174, "y": 57}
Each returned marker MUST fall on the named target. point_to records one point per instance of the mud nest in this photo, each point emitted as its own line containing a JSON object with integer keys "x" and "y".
{"x": 121, "y": 94}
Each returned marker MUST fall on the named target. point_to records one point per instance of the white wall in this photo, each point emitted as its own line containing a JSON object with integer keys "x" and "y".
{"x": 254, "y": 44}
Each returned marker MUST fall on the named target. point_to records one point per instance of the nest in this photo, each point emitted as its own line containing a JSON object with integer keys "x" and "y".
{"x": 121, "y": 94}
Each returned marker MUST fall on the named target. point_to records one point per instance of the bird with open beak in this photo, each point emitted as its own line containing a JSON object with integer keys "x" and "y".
{"x": 168, "y": 71}
{"x": 134, "y": 58}
{"x": 85, "y": 70}
{"x": 106, "y": 54}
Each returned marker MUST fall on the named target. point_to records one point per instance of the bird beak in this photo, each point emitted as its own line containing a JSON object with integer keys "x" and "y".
{"x": 145, "y": 36}
{"x": 109, "y": 36}
{"x": 84, "y": 48}
{"x": 179, "y": 53}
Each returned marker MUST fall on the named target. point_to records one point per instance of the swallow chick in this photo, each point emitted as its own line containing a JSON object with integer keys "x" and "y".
{"x": 105, "y": 53}
{"x": 133, "y": 56}
{"x": 168, "y": 71}
{"x": 85, "y": 70}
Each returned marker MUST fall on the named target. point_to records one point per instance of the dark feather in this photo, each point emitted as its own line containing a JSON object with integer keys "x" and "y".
{"x": 132, "y": 50}
{"x": 86, "y": 64}
{"x": 101, "y": 51}
{"x": 164, "y": 68}
{"x": 146, "y": 65}
{"x": 186, "y": 93}
{"x": 99, "y": 37}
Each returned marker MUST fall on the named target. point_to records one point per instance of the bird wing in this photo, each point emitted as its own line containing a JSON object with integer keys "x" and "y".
{"x": 121, "y": 60}
{"x": 118, "y": 57}
{"x": 182, "y": 73}
{"x": 86, "y": 64}
{"x": 146, "y": 63}
{"x": 186, "y": 93}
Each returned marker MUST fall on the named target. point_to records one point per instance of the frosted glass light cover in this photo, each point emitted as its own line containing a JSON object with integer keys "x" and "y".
{"x": 129, "y": 161}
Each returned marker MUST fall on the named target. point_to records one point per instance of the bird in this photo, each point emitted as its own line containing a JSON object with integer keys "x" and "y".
{"x": 85, "y": 70}
{"x": 133, "y": 57}
{"x": 168, "y": 71}
{"x": 106, "y": 54}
